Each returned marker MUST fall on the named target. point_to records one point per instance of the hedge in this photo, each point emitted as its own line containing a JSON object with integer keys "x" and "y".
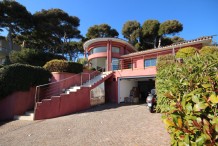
{"x": 20, "y": 77}
{"x": 186, "y": 52}
{"x": 188, "y": 98}
{"x": 32, "y": 57}
{"x": 209, "y": 50}
{"x": 165, "y": 60}
{"x": 63, "y": 66}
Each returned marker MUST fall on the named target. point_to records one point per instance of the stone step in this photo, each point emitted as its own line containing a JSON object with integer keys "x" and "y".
{"x": 29, "y": 115}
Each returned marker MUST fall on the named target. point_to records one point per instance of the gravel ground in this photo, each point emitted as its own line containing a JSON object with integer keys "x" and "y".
{"x": 109, "y": 124}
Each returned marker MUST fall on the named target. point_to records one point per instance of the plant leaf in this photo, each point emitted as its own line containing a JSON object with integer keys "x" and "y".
{"x": 206, "y": 85}
{"x": 195, "y": 99}
{"x": 213, "y": 98}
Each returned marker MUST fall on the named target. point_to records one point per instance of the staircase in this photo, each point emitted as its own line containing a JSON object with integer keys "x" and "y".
{"x": 89, "y": 83}
{"x": 73, "y": 99}
{"x": 29, "y": 115}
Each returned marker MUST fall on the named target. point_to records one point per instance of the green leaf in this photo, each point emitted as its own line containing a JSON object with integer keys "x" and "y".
{"x": 213, "y": 98}
{"x": 200, "y": 106}
{"x": 206, "y": 85}
{"x": 188, "y": 107}
{"x": 216, "y": 127}
{"x": 195, "y": 99}
{"x": 200, "y": 140}
{"x": 187, "y": 139}
{"x": 196, "y": 91}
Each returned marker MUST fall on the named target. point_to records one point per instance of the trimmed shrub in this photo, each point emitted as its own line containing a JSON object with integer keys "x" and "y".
{"x": 32, "y": 57}
{"x": 63, "y": 66}
{"x": 165, "y": 60}
{"x": 186, "y": 52}
{"x": 209, "y": 50}
{"x": 20, "y": 77}
{"x": 83, "y": 61}
{"x": 188, "y": 98}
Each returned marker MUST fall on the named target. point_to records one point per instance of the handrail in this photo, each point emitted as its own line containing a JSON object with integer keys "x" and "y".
{"x": 48, "y": 90}
{"x": 52, "y": 83}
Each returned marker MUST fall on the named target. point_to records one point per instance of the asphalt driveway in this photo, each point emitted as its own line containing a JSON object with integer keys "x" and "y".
{"x": 104, "y": 125}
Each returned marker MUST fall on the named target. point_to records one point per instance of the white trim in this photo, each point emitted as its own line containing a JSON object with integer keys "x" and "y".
{"x": 89, "y": 42}
{"x": 182, "y": 44}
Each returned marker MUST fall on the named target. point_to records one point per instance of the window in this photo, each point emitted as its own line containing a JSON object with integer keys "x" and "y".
{"x": 98, "y": 50}
{"x": 150, "y": 62}
{"x": 115, "y": 63}
{"x": 115, "y": 50}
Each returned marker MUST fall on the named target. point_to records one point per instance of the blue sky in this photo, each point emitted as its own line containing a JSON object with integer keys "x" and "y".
{"x": 199, "y": 17}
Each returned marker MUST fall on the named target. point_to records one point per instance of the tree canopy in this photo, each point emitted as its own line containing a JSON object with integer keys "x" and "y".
{"x": 131, "y": 31}
{"x": 54, "y": 30}
{"x": 15, "y": 18}
{"x": 102, "y": 30}
{"x": 147, "y": 36}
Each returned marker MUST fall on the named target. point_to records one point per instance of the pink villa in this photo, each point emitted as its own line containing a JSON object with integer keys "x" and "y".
{"x": 130, "y": 68}
{"x": 122, "y": 70}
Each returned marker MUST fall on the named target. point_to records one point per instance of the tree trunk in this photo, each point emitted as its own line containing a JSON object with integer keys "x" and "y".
{"x": 159, "y": 43}
{"x": 10, "y": 39}
{"x": 155, "y": 41}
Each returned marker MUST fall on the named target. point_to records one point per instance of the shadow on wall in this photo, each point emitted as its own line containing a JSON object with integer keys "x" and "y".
{"x": 17, "y": 104}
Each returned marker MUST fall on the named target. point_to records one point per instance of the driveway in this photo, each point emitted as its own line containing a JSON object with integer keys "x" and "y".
{"x": 104, "y": 125}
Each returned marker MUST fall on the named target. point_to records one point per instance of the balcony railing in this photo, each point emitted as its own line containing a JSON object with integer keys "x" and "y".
{"x": 129, "y": 63}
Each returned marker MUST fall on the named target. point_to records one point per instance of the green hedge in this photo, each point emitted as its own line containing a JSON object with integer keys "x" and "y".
{"x": 186, "y": 52}
{"x": 63, "y": 66}
{"x": 32, "y": 57}
{"x": 20, "y": 77}
{"x": 209, "y": 50}
{"x": 165, "y": 60}
{"x": 188, "y": 98}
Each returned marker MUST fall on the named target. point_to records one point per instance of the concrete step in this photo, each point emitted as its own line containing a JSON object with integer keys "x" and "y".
{"x": 72, "y": 89}
{"x": 28, "y": 116}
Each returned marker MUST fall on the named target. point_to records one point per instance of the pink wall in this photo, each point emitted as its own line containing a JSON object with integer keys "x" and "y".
{"x": 136, "y": 72}
{"x": 63, "y": 105}
{"x": 111, "y": 92}
{"x": 17, "y": 104}
{"x": 112, "y": 83}
{"x": 57, "y": 76}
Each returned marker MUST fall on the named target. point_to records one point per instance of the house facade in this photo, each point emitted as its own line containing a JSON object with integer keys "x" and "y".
{"x": 131, "y": 69}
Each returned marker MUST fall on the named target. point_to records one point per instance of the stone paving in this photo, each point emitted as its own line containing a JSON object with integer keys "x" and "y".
{"x": 105, "y": 125}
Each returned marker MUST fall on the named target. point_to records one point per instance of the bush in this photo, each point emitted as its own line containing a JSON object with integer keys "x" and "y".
{"x": 63, "y": 66}
{"x": 20, "y": 77}
{"x": 188, "y": 98}
{"x": 165, "y": 60}
{"x": 1, "y": 66}
{"x": 209, "y": 50}
{"x": 186, "y": 52}
{"x": 32, "y": 57}
{"x": 83, "y": 61}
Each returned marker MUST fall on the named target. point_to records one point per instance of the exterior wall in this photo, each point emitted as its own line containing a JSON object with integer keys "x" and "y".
{"x": 112, "y": 84}
{"x": 16, "y": 104}
{"x": 148, "y": 71}
{"x": 63, "y": 105}
{"x": 109, "y": 44}
{"x": 125, "y": 87}
{"x": 111, "y": 92}
{"x": 57, "y": 76}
